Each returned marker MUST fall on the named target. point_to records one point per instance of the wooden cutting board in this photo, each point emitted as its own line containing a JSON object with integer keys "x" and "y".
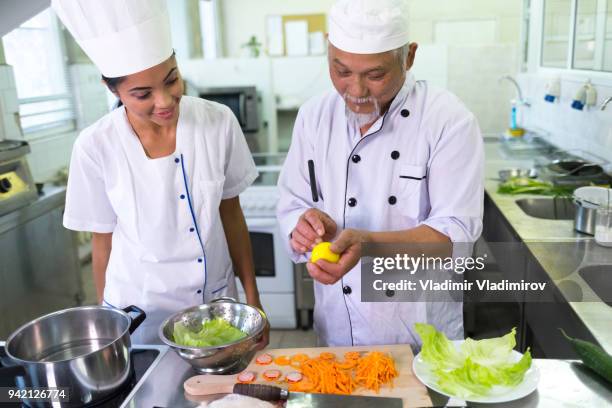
{"x": 406, "y": 386}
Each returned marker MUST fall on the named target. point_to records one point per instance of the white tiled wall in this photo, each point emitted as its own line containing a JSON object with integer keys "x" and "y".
{"x": 589, "y": 130}
{"x": 9, "y": 106}
{"x": 473, "y": 75}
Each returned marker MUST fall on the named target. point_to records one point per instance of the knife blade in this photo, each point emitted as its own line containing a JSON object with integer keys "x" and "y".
{"x": 304, "y": 400}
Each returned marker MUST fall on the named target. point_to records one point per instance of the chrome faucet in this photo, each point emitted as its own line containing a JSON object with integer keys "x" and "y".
{"x": 519, "y": 92}
{"x": 605, "y": 103}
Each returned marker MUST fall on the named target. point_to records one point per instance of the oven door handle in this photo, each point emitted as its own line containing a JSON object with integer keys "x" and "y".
{"x": 242, "y": 110}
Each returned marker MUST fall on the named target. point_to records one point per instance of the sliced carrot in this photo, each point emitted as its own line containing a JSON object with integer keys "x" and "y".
{"x": 282, "y": 361}
{"x": 300, "y": 357}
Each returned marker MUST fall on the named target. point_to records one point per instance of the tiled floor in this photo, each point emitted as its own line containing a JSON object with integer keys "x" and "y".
{"x": 292, "y": 338}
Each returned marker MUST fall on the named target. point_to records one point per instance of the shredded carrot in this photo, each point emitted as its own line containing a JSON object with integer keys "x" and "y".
{"x": 324, "y": 374}
{"x": 352, "y": 355}
{"x": 375, "y": 369}
{"x": 347, "y": 365}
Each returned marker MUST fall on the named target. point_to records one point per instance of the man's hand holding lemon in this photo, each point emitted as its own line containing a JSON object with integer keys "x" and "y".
{"x": 313, "y": 227}
{"x": 331, "y": 261}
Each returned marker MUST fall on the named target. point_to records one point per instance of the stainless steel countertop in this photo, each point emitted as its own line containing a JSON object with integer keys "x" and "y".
{"x": 596, "y": 316}
{"x": 562, "y": 384}
{"x": 52, "y": 197}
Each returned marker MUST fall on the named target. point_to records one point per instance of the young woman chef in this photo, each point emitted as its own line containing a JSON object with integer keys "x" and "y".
{"x": 156, "y": 180}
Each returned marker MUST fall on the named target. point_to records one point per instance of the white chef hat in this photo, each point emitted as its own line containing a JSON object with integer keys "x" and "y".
{"x": 368, "y": 26}
{"x": 121, "y": 37}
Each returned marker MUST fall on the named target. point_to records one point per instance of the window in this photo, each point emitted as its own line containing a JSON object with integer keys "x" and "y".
{"x": 575, "y": 35}
{"x": 35, "y": 50}
{"x": 209, "y": 25}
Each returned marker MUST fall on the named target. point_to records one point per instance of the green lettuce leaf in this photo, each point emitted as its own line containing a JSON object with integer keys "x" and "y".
{"x": 437, "y": 349}
{"x": 490, "y": 352}
{"x": 477, "y": 368}
{"x": 214, "y": 332}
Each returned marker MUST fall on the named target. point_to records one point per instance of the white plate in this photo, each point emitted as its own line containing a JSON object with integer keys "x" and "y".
{"x": 498, "y": 394}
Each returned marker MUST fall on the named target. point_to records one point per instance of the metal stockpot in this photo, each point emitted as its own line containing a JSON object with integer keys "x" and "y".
{"x": 85, "y": 349}
{"x": 584, "y": 219}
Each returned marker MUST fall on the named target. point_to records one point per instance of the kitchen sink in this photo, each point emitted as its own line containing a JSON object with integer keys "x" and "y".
{"x": 554, "y": 208}
{"x": 599, "y": 278}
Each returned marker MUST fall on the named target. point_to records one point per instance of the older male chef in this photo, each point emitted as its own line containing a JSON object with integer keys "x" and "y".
{"x": 396, "y": 161}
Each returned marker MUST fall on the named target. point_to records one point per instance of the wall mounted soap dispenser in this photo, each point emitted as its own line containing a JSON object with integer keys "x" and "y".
{"x": 586, "y": 96}
{"x": 553, "y": 90}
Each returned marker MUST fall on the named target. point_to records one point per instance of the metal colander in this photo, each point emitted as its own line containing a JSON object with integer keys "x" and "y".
{"x": 223, "y": 358}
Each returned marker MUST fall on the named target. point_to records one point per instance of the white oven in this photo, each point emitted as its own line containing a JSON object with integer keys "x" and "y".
{"x": 273, "y": 267}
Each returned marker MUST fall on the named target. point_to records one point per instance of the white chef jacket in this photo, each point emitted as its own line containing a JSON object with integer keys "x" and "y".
{"x": 421, "y": 163}
{"x": 169, "y": 250}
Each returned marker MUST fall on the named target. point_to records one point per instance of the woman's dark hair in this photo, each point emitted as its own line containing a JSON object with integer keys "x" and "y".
{"x": 112, "y": 84}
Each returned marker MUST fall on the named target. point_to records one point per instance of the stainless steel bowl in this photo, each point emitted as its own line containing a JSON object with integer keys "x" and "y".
{"x": 224, "y": 358}
{"x": 507, "y": 174}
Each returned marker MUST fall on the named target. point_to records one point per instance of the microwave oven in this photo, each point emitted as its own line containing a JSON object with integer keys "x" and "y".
{"x": 242, "y": 100}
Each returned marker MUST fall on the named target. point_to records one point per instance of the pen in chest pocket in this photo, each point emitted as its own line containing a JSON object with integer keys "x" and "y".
{"x": 313, "y": 181}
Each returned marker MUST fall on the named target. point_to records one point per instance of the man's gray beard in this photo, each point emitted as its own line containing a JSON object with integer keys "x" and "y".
{"x": 358, "y": 118}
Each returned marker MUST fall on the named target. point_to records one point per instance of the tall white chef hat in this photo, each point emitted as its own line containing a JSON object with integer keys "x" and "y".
{"x": 121, "y": 37}
{"x": 368, "y": 26}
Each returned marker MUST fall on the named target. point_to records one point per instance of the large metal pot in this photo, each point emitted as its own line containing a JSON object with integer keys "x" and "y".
{"x": 85, "y": 349}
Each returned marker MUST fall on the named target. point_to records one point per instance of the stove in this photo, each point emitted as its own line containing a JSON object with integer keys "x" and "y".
{"x": 17, "y": 187}
{"x": 144, "y": 359}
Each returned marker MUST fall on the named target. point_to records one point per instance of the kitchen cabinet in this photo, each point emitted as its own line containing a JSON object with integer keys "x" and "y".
{"x": 538, "y": 321}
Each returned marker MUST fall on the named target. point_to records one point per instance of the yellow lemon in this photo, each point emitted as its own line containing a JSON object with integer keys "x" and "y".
{"x": 322, "y": 251}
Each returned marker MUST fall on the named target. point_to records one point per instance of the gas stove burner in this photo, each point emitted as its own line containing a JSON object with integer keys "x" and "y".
{"x": 6, "y": 145}
{"x": 142, "y": 359}
{"x": 113, "y": 401}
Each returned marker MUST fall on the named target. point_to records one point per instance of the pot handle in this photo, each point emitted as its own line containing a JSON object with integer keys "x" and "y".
{"x": 12, "y": 371}
{"x": 136, "y": 321}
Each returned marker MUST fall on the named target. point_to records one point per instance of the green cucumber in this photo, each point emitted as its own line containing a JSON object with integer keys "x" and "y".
{"x": 592, "y": 356}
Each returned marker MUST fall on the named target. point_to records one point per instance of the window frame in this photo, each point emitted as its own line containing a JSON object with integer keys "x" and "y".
{"x": 52, "y": 128}
{"x": 535, "y": 50}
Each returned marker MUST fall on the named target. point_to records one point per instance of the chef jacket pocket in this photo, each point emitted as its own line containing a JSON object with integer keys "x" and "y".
{"x": 210, "y": 199}
{"x": 221, "y": 286}
{"x": 216, "y": 290}
{"x": 411, "y": 184}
